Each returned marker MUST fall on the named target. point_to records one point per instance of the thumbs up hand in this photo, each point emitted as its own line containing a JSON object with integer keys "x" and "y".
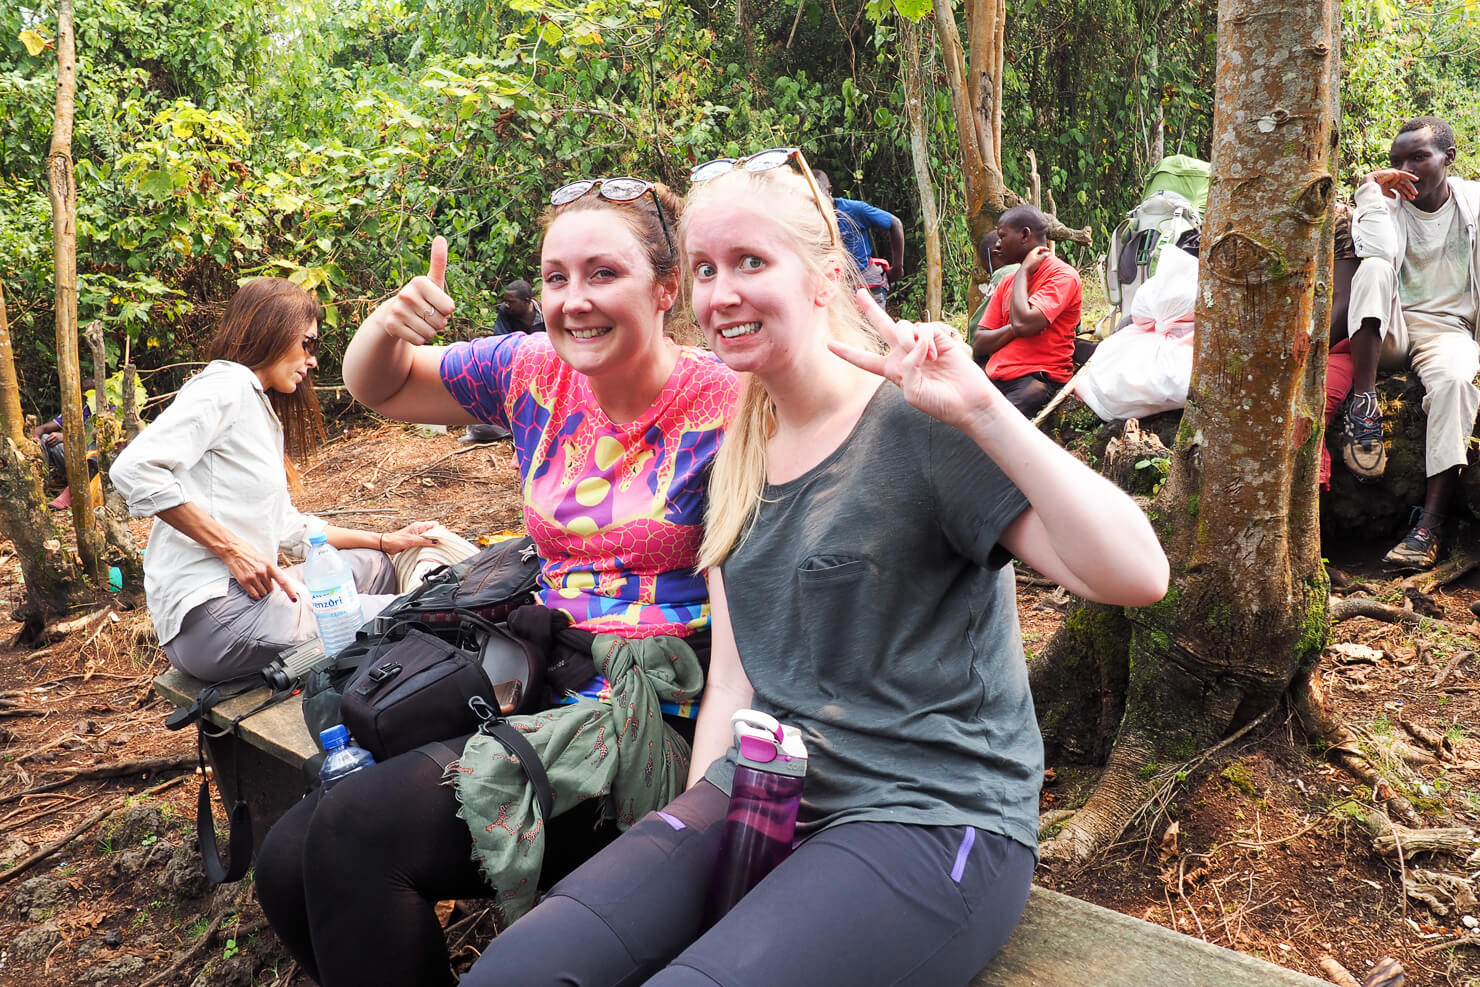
{"x": 422, "y": 307}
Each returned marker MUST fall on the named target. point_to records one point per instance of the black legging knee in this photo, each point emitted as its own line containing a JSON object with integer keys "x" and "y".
{"x": 349, "y": 880}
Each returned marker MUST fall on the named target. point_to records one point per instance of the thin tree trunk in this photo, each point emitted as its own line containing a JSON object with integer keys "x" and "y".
{"x": 52, "y": 585}
{"x": 108, "y": 434}
{"x": 11, "y": 416}
{"x": 1247, "y": 607}
{"x": 914, "y": 101}
{"x": 63, "y": 189}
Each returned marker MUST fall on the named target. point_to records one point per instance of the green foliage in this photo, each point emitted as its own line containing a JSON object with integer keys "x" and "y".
{"x": 329, "y": 142}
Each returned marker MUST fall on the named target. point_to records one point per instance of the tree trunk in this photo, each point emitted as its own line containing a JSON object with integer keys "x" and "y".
{"x": 51, "y": 578}
{"x": 63, "y": 189}
{"x": 914, "y": 101}
{"x": 1247, "y": 607}
{"x": 11, "y": 416}
{"x": 976, "y": 96}
{"x": 108, "y": 435}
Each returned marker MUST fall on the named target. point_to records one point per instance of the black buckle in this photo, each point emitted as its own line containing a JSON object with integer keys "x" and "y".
{"x": 382, "y": 672}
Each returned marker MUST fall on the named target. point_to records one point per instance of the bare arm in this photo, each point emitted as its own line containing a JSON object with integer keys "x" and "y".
{"x": 1026, "y": 319}
{"x": 389, "y": 368}
{"x": 255, "y": 574}
{"x": 989, "y": 341}
{"x": 896, "y": 249}
{"x": 726, "y": 690}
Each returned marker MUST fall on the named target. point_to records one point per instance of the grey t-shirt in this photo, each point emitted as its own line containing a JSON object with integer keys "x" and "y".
{"x": 871, "y": 614}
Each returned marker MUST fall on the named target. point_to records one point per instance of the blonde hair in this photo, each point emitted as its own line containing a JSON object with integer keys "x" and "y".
{"x": 785, "y": 198}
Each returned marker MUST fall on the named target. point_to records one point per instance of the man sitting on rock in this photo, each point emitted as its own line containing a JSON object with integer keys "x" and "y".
{"x": 1414, "y": 296}
{"x": 1027, "y": 333}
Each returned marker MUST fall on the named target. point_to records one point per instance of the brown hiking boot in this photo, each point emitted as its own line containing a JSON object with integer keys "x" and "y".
{"x": 1361, "y": 437}
{"x": 1419, "y": 550}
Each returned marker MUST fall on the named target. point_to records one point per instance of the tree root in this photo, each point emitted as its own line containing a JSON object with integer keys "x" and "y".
{"x": 1336, "y": 973}
{"x": 1360, "y": 606}
{"x": 1391, "y": 839}
{"x": 1458, "y": 566}
{"x": 1115, "y": 800}
{"x": 1323, "y": 723}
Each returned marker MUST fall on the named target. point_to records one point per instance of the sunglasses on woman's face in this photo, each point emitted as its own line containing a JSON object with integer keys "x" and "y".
{"x": 621, "y": 189}
{"x": 310, "y": 344}
{"x": 764, "y": 161}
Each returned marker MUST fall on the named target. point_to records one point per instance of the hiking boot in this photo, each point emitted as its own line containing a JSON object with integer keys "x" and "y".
{"x": 1361, "y": 436}
{"x": 1419, "y": 550}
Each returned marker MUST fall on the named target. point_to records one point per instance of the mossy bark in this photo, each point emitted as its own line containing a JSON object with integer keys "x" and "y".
{"x": 1246, "y": 609}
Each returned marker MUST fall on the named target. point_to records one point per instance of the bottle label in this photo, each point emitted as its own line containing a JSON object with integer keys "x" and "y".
{"x": 334, "y": 600}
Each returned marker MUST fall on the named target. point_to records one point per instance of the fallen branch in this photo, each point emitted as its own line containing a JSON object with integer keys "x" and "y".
{"x": 145, "y": 766}
{"x": 62, "y": 628}
{"x": 1433, "y": 739}
{"x": 1390, "y": 839}
{"x": 46, "y": 851}
{"x": 423, "y": 470}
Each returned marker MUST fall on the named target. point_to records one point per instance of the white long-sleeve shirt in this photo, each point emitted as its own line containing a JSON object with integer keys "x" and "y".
{"x": 218, "y": 445}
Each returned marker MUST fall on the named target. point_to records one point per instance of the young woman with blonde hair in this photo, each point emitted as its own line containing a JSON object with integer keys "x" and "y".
{"x": 859, "y": 537}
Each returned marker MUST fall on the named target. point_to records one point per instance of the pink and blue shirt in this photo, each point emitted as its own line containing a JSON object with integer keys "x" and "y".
{"x": 615, "y": 509}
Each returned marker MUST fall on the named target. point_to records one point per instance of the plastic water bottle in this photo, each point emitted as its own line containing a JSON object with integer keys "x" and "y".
{"x": 343, "y": 758}
{"x": 331, "y": 591}
{"x": 763, "y": 808}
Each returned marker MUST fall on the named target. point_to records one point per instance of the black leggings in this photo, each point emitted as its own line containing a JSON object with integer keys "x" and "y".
{"x": 349, "y": 880}
{"x": 871, "y": 904}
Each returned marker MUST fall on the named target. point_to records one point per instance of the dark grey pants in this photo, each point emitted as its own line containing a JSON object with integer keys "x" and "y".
{"x": 235, "y": 635}
{"x": 859, "y": 904}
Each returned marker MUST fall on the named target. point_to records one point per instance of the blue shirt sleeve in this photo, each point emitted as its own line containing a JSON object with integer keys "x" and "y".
{"x": 479, "y": 375}
{"x": 866, "y": 215}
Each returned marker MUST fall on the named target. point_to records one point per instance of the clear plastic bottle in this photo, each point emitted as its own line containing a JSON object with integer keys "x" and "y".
{"x": 331, "y": 591}
{"x": 342, "y": 758}
{"x": 764, "y": 800}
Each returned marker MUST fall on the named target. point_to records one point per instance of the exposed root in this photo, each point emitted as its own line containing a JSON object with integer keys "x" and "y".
{"x": 1458, "y": 566}
{"x": 1390, "y": 839}
{"x": 1336, "y": 973}
{"x": 1110, "y": 809}
{"x": 1360, "y": 606}
{"x": 1345, "y": 749}
{"x": 1440, "y": 892}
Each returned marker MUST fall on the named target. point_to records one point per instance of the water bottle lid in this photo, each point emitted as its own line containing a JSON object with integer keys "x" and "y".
{"x": 335, "y": 736}
{"x": 766, "y": 745}
{"x": 318, "y": 538}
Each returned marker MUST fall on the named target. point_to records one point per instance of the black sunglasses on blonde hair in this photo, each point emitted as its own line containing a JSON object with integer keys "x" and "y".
{"x": 621, "y": 189}
{"x": 764, "y": 161}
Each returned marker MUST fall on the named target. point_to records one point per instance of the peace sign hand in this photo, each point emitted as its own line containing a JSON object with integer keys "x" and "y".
{"x": 929, "y": 362}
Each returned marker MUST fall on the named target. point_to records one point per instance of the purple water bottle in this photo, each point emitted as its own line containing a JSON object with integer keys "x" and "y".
{"x": 763, "y": 808}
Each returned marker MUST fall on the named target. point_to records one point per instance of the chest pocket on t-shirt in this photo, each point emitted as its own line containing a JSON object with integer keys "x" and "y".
{"x": 839, "y": 616}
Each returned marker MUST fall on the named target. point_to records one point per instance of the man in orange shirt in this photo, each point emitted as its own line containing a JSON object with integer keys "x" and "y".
{"x": 1027, "y": 334}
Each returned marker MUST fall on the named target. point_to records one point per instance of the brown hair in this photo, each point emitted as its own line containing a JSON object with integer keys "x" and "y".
{"x": 659, "y": 243}
{"x": 263, "y": 321}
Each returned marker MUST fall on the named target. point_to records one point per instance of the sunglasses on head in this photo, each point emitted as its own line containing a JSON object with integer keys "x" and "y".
{"x": 622, "y": 189}
{"x": 774, "y": 157}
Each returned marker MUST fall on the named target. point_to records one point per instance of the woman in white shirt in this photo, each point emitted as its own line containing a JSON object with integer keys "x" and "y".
{"x": 212, "y": 471}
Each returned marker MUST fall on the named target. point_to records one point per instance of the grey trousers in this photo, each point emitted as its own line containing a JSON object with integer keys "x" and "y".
{"x": 235, "y": 635}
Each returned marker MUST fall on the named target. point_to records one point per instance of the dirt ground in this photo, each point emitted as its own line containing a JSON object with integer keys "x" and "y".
{"x": 1268, "y": 856}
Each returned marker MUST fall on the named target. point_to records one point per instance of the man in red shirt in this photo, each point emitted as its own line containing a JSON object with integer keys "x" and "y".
{"x": 1027, "y": 334}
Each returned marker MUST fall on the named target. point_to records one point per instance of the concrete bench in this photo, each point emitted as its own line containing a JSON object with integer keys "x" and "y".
{"x": 1061, "y": 941}
{"x": 264, "y": 765}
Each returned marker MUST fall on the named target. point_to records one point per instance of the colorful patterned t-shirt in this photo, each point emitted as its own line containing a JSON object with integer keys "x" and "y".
{"x": 616, "y": 509}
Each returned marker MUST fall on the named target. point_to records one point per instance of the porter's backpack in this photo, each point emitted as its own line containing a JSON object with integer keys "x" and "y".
{"x": 1170, "y": 211}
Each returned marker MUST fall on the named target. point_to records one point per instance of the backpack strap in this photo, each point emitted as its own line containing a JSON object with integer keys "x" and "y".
{"x": 239, "y": 836}
{"x": 515, "y": 743}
